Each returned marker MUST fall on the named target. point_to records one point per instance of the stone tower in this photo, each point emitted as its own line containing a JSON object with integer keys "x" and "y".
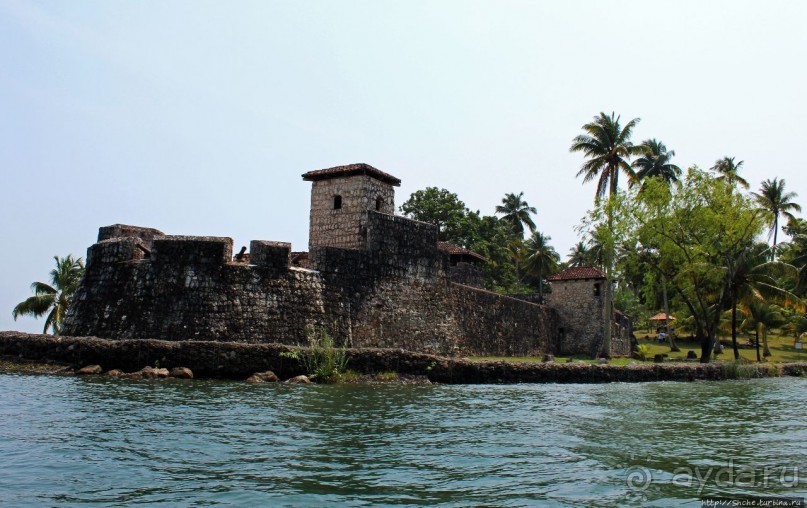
{"x": 340, "y": 198}
{"x": 578, "y": 295}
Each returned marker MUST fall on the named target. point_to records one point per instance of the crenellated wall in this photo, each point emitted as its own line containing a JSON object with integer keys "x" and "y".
{"x": 395, "y": 293}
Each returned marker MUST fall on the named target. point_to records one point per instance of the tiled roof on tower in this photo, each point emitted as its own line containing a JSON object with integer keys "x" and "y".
{"x": 351, "y": 170}
{"x": 578, "y": 273}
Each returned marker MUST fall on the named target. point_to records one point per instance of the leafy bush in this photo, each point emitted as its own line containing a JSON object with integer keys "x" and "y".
{"x": 323, "y": 362}
{"x": 642, "y": 351}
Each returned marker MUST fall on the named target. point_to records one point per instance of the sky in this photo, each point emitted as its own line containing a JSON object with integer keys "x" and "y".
{"x": 198, "y": 117}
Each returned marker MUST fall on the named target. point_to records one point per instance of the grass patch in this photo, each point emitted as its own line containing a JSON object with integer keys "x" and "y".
{"x": 781, "y": 346}
{"x": 387, "y": 376}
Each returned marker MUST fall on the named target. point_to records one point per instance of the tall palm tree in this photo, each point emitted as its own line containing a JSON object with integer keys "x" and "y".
{"x": 542, "y": 259}
{"x": 775, "y": 201}
{"x": 729, "y": 171}
{"x": 52, "y": 299}
{"x": 655, "y": 162}
{"x": 608, "y": 148}
{"x": 516, "y": 212}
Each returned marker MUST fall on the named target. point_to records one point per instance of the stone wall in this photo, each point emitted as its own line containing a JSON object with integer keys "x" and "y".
{"x": 498, "y": 325}
{"x": 394, "y": 294}
{"x": 469, "y": 274}
{"x": 146, "y": 235}
{"x": 189, "y": 289}
{"x": 622, "y": 338}
{"x": 342, "y": 227}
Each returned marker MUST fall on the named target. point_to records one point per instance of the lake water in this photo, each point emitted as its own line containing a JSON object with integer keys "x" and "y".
{"x": 68, "y": 441}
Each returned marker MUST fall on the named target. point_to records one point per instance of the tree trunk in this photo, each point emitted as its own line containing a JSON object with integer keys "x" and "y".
{"x": 766, "y": 352}
{"x": 759, "y": 358}
{"x": 775, "y": 231}
{"x": 673, "y": 345}
{"x": 734, "y": 329}
{"x": 706, "y": 349}
{"x": 609, "y": 301}
{"x": 710, "y": 342}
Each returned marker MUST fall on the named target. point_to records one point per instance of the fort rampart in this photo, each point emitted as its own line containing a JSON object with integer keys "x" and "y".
{"x": 395, "y": 293}
{"x": 372, "y": 280}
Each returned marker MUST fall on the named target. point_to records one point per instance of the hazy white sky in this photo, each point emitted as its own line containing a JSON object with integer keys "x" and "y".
{"x": 198, "y": 117}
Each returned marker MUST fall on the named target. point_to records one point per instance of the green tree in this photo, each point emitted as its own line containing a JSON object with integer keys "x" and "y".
{"x": 691, "y": 233}
{"x": 655, "y": 161}
{"x": 776, "y": 202}
{"x": 441, "y": 208}
{"x": 486, "y": 235}
{"x": 54, "y": 298}
{"x": 516, "y": 212}
{"x": 541, "y": 258}
{"x": 795, "y": 251}
{"x": 729, "y": 171}
{"x": 494, "y": 240}
{"x": 608, "y": 148}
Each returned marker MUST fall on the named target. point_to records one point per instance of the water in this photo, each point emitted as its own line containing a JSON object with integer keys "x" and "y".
{"x": 69, "y": 441}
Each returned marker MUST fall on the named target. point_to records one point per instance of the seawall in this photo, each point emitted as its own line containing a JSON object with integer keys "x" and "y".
{"x": 239, "y": 360}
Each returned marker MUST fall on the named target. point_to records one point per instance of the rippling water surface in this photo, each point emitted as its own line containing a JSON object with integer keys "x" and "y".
{"x": 68, "y": 441}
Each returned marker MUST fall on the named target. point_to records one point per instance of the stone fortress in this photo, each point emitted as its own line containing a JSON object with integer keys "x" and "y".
{"x": 370, "y": 279}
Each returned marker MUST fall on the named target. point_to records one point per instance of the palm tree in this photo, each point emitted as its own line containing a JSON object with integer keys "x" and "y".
{"x": 608, "y": 148}
{"x": 516, "y": 212}
{"x": 54, "y": 298}
{"x": 761, "y": 318}
{"x": 729, "y": 172}
{"x": 579, "y": 255}
{"x": 655, "y": 162}
{"x": 775, "y": 201}
{"x": 542, "y": 259}
{"x": 753, "y": 279}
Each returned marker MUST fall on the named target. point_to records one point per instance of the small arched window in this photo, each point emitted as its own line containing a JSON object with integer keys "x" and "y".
{"x": 378, "y": 203}
{"x": 337, "y": 202}
{"x": 597, "y": 289}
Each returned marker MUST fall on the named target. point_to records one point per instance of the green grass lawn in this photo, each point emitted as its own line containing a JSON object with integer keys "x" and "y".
{"x": 781, "y": 347}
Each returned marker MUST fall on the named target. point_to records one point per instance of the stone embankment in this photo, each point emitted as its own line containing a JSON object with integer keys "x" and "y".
{"x": 231, "y": 360}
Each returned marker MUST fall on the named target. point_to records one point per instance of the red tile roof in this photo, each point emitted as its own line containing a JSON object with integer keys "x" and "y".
{"x": 351, "y": 170}
{"x": 578, "y": 273}
{"x": 454, "y": 249}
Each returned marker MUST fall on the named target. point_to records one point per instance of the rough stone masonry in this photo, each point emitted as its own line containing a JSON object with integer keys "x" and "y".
{"x": 375, "y": 280}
